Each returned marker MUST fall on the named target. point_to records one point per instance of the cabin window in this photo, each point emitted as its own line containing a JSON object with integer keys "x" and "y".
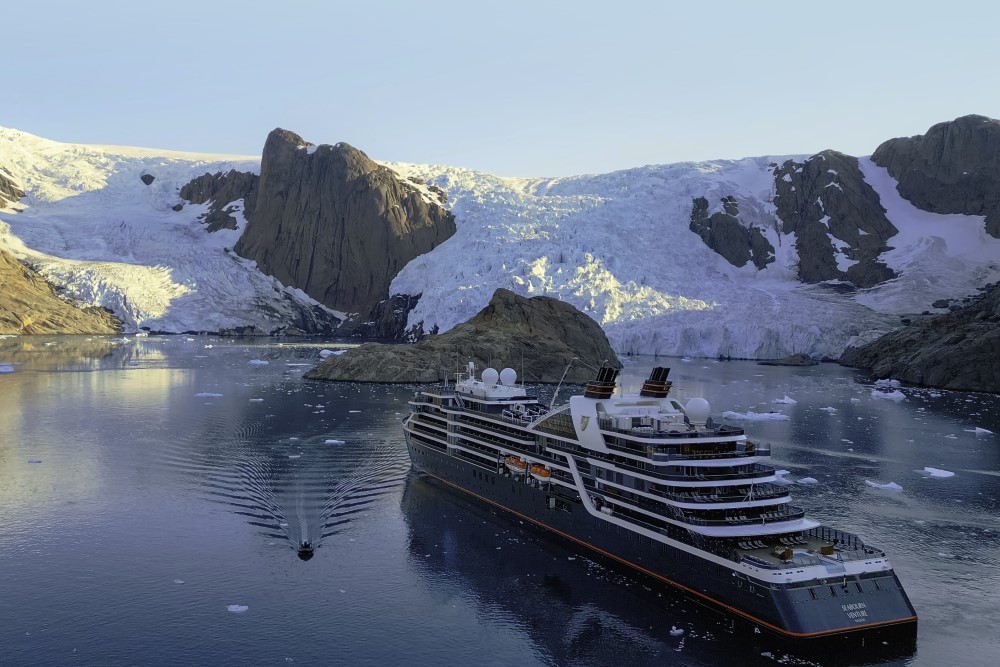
{"x": 812, "y": 594}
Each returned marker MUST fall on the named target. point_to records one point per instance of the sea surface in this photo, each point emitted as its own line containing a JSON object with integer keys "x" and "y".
{"x": 152, "y": 492}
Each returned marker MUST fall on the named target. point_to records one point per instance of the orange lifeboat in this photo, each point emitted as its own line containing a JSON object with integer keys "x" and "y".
{"x": 540, "y": 472}
{"x": 515, "y": 464}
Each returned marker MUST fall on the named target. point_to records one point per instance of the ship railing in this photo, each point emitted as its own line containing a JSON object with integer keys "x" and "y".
{"x": 749, "y": 519}
{"x": 847, "y": 546}
{"x": 650, "y": 430}
{"x": 755, "y": 471}
{"x": 767, "y": 492}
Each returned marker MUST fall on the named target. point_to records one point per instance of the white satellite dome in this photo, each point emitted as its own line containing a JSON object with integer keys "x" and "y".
{"x": 698, "y": 410}
{"x": 490, "y": 377}
{"x": 508, "y": 377}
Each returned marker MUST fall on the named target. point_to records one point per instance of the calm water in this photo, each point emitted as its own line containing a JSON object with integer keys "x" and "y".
{"x": 146, "y": 486}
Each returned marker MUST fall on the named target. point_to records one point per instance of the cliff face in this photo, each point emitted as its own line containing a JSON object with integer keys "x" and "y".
{"x": 335, "y": 224}
{"x": 837, "y": 219}
{"x": 954, "y": 168}
{"x": 10, "y": 190}
{"x": 539, "y": 335}
{"x": 959, "y": 350}
{"x": 220, "y": 191}
{"x": 28, "y": 305}
{"x": 725, "y": 234}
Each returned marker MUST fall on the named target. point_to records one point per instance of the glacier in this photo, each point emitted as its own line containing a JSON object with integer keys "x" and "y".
{"x": 617, "y": 246}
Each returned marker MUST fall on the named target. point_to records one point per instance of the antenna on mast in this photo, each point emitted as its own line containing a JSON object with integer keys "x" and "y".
{"x": 552, "y": 404}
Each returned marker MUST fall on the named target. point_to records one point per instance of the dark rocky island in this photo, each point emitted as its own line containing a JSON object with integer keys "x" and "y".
{"x": 540, "y": 335}
{"x": 959, "y": 350}
{"x": 791, "y": 360}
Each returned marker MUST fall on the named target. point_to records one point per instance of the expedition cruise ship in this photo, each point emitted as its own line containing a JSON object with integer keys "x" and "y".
{"x": 659, "y": 486}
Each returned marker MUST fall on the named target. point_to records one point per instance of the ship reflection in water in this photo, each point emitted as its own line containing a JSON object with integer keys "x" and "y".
{"x": 575, "y": 608}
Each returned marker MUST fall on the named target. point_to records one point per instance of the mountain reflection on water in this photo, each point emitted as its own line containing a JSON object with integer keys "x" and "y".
{"x": 148, "y": 485}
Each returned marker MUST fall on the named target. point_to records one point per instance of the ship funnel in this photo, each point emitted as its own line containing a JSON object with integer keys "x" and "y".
{"x": 657, "y": 385}
{"x": 604, "y": 385}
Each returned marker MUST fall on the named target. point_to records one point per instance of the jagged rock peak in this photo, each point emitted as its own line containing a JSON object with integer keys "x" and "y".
{"x": 336, "y": 224}
{"x": 953, "y": 168}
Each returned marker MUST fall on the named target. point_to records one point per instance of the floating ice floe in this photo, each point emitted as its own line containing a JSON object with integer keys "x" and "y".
{"x": 890, "y": 395}
{"x": 256, "y": 400}
{"x": 675, "y": 631}
{"x": 354, "y": 411}
{"x": 237, "y": 608}
{"x": 891, "y": 486}
{"x": 258, "y": 362}
{"x": 779, "y": 478}
{"x": 334, "y": 442}
{"x": 808, "y": 480}
{"x": 977, "y": 430}
{"x": 829, "y": 409}
{"x": 937, "y": 472}
{"x": 755, "y": 416}
{"x": 178, "y": 581}
{"x": 325, "y": 353}
{"x": 294, "y": 456}
{"x": 888, "y": 383}
{"x": 787, "y": 400}
{"x": 207, "y": 394}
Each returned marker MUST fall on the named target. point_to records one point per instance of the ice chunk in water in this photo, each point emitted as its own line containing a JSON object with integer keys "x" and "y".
{"x": 787, "y": 400}
{"x": 207, "y": 394}
{"x": 237, "y": 608}
{"x": 334, "y": 442}
{"x": 808, "y": 480}
{"x": 937, "y": 472}
{"x": 258, "y": 362}
{"x": 891, "y": 486}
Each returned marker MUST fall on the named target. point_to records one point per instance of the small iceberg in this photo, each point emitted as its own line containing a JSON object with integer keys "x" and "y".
{"x": 787, "y": 400}
{"x": 891, "y": 486}
{"x": 894, "y": 384}
{"x": 977, "y": 430}
{"x": 237, "y": 608}
{"x": 334, "y": 442}
{"x": 325, "y": 353}
{"x": 675, "y": 631}
{"x": 756, "y": 416}
{"x": 207, "y": 394}
{"x": 889, "y": 395}
{"x": 937, "y": 472}
{"x": 258, "y": 362}
{"x": 779, "y": 478}
{"x": 808, "y": 480}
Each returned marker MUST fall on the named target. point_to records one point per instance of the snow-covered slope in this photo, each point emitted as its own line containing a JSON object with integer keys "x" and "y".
{"x": 92, "y": 226}
{"x": 616, "y": 245}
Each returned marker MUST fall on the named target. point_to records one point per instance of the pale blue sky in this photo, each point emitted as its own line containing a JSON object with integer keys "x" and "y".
{"x": 516, "y": 88}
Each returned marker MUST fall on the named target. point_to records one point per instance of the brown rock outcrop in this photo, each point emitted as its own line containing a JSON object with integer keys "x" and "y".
{"x": 29, "y": 305}
{"x": 335, "y": 224}
{"x": 538, "y": 337}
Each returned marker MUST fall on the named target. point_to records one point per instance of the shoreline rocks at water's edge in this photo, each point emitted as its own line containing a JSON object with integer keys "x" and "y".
{"x": 538, "y": 337}
{"x": 959, "y": 350}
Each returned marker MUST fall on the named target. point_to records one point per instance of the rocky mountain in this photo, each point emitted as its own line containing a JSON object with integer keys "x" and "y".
{"x": 538, "y": 337}
{"x": 10, "y": 189}
{"x": 954, "y": 168}
{"x": 754, "y": 258}
{"x": 226, "y": 194}
{"x": 29, "y": 305}
{"x": 337, "y": 225}
{"x": 959, "y": 350}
